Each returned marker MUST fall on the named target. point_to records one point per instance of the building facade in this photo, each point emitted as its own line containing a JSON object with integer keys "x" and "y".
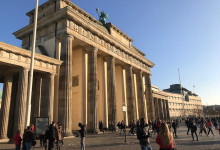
{"x": 161, "y": 104}
{"x": 96, "y": 70}
{"x": 178, "y": 105}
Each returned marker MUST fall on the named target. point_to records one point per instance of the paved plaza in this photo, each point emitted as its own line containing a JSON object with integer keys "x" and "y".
{"x": 115, "y": 141}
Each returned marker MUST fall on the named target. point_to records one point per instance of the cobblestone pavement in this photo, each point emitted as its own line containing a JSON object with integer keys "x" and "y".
{"x": 115, "y": 141}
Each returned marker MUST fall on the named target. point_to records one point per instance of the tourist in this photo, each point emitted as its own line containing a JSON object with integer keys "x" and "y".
{"x": 174, "y": 126}
{"x": 194, "y": 131}
{"x": 202, "y": 125}
{"x": 17, "y": 140}
{"x": 189, "y": 125}
{"x": 143, "y": 135}
{"x": 101, "y": 127}
{"x": 60, "y": 133}
{"x": 209, "y": 125}
{"x": 165, "y": 138}
{"x": 32, "y": 127}
{"x": 52, "y": 136}
{"x": 28, "y": 138}
{"x": 119, "y": 127}
{"x": 123, "y": 126}
{"x": 82, "y": 133}
{"x": 132, "y": 127}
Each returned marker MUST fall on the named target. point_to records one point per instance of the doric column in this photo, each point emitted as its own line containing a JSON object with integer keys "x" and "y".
{"x": 149, "y": 98}
{"x": 92, "y": 90}
{"x": 125, "y": 95}
{"x": 142, "y": 105}
{"x": 105, "y": 95}
{"x": 21, "y": 101}
{"x": 112, "y": 111}
{"x": 160, "y": 109}
{"x": 51, "y": 97}
{"x": 37, "y": 102}
{"x": 168, "y": 111}
{"x": 156, "y": 108}
{"x": 164, "y": 110}
{"x": 6, "y": 99}
{"x": 65, "y": 96}
{"x": 130, "y": 95}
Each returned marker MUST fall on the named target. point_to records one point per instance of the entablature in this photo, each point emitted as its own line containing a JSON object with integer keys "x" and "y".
{"x": 90, "y": 30}
{"x": 16, "y": 56}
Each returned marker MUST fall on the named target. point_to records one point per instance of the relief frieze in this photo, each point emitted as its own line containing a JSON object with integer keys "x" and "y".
{"x": 108, "y": 46}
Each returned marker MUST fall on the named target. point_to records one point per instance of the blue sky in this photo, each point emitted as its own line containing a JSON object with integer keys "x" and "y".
{"x": 173, "y": 34}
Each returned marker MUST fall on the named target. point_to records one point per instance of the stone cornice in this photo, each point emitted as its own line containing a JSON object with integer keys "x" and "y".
{"x": 159, "y": 94}
{"x": 20, "y": 57}
{"x": 89, "y": 26}
{"x": 119, "y": 31}
{"x": 40, "y": 7}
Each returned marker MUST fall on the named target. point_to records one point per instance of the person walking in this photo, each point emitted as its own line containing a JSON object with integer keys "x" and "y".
{"x": 174, "y": 126}
{"x": 143, "y": 135}
{"x": 82, "y": 133}
{"x": 189, "y": 125}
{"x": 28, "y": 138}
{"x": 165, "y": 138}
{"x": 209, "y": 125}
{"x": 202, "y": 127}
{"x": 194, "y": 130}
{"x": 17, "y": 140}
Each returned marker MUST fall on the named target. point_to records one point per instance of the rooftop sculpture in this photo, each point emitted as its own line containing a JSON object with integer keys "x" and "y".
{"x": 102, "y": 16}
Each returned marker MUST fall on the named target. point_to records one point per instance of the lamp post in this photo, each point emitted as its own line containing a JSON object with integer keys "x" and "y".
{"x": 30, "y": 78}
{"x": 124, "y": 109}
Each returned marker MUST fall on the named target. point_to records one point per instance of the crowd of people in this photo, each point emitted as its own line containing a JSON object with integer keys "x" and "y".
{"x": 53, "y": 136}
{"x": 166, "y": 132}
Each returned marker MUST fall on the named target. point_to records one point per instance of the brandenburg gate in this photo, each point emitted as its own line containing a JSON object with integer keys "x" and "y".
{"x": 95, "y": 70}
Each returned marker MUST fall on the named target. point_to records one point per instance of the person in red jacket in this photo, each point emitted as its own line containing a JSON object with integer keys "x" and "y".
{"x": 165, "y": 138}
{"x": 209, "y": 126}
{"x": 32, "y": 127}
{"x": 17, "y": 140}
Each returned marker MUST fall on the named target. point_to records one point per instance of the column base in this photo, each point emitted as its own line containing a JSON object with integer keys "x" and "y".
{"x": 6, "y": 140}
{"x": 95, "y": 131}
{"x": 68, "y": 134}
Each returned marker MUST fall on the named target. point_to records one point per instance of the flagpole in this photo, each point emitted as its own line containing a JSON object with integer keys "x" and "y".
{"x": 181, "y": 89}
{"x": 28, "y": 105}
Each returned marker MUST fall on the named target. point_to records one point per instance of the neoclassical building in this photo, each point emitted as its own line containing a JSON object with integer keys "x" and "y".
{"x": 171, "y": 104}
{"x": 84, "y": 72}
{"x": 161, "y": 104}
{"x": 187, "y": 104}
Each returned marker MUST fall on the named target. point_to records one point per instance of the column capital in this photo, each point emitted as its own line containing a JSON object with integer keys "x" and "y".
{"x": 127, "y": 66}
{"x": 52, "y": 74}
{"x": 66, "y": 35}
{"x": 93, "y": 48}
{"x": 146, "y": 74}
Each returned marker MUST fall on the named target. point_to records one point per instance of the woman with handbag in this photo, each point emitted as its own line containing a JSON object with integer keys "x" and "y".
{"x": 165, "y": 138}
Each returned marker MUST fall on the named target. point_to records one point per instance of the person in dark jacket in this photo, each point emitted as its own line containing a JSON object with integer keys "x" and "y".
{"x": 174, "y": 126}
{"x": 189, "y": 125}
{"x": 82, "y": 133}
{"x": 52, "y": 136}
{"x": 28, "y": 138}
{"x": 143, "y": 135}
{"x": 194, "y": 130}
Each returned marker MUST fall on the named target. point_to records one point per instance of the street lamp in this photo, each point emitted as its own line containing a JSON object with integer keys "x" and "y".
{"x": 124, "y": 109}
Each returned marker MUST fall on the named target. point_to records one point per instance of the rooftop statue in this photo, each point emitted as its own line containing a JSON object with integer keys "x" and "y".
{"x": 102, "y": 16}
